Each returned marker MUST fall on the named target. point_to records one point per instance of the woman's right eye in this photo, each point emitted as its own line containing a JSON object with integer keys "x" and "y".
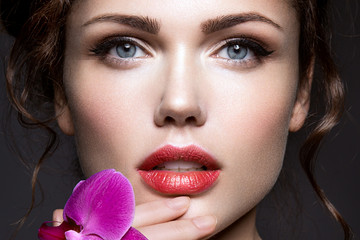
{"x": 119, "y": 48}
{"x": 127, "y": 50}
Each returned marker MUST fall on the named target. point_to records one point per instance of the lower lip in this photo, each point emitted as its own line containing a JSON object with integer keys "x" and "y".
{"x": 181, "y": 183}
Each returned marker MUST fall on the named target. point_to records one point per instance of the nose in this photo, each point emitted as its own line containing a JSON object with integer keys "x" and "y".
{"x": 181, "y": 101}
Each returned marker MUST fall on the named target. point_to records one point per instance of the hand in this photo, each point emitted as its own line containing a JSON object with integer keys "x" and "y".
{"x": 157, "y": 220}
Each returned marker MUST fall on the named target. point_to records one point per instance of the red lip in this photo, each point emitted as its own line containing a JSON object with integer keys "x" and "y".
{"x": 173, "y": 182}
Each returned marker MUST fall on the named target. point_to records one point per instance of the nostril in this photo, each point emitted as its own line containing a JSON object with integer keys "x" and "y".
{"x": 169, "y": 120}
{"x": 190, "y": 120}
{"x": 167, "y": 114}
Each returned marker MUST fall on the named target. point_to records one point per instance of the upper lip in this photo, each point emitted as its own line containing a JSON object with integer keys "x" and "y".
{"x": 191, "y": 153}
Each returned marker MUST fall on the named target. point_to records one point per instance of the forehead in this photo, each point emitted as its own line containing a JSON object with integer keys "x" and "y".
{"x": 184, "y": 12}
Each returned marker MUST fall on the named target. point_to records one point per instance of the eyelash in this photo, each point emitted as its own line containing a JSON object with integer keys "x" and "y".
{"x": 256, "y": 48}
{"x": 103, "y": 48}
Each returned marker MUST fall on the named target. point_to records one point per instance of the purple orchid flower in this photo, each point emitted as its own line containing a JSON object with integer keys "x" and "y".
{"x": 101, "y": 207}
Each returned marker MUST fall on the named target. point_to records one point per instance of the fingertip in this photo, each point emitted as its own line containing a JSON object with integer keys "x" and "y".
{"x": 57, "y": 217}
{"x": 207, "y": 223}
{"x": 178, "y": 203}
{"x": 195, "y": 228}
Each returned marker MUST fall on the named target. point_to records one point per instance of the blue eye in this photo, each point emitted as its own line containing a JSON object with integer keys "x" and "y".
{"x": 242, "y": 50}
{"x": 126, "y": 50}
{"x": 120, "y": 48}
{"x": 236, "y": 51}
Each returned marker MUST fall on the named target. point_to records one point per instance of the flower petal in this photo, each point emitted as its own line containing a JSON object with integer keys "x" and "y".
{"x": 73, "y": 235}
{"x": 133, "y": 234}
{"x": 102, "y": 205}
{"x": 53, "y": 233}
{"x": 78, "y": 184}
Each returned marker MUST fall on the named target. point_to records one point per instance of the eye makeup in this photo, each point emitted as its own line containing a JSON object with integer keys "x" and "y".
{"x": 251, "y": 51}
{"x": 240, "y": 52}
{"x": 116, "y": 49}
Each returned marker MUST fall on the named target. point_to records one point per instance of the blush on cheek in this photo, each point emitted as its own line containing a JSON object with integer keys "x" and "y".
{"x": 261, "y": 141}
{"x": 94, "y": 129}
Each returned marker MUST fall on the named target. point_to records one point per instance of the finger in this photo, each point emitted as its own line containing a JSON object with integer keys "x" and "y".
{"x": 189, "y": 229}
{"x": 57, "y": 217}
{"x": 160, "y": 211}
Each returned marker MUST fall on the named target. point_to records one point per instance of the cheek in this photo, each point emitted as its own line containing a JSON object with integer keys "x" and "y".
{"x": 262, "y": 143}
{"x": 254, "y": 119}
{"x": 102, "y": 105}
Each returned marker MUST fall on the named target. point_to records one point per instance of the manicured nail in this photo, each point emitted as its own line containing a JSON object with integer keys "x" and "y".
{"x": 204, "y": 222}
{"x": 178, "y": 203}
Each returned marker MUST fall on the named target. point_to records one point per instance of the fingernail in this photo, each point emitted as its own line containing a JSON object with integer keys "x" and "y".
{"x": 204, "y": 222}
{"x": 178, "y": 203}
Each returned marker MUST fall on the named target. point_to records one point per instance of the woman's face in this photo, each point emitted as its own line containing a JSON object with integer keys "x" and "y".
{"x": 203, "y": 79}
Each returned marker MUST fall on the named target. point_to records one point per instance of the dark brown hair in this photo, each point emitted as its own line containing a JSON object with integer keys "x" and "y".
{"x": 36, "y": 63}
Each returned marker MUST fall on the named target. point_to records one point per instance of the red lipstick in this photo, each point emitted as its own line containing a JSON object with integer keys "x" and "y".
{"x": 179, "y": 170}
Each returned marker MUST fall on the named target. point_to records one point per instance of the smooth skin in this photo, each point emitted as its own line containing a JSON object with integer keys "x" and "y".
{"x": 222, "y": 76}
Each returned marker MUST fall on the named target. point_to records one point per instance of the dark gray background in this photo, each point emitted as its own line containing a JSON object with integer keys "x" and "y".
{"x": 338, "y": 171}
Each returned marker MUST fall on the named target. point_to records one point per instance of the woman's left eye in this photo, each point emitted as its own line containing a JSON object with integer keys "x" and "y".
{"x": 235, "y": 52}
{"x": 242, "y": 50}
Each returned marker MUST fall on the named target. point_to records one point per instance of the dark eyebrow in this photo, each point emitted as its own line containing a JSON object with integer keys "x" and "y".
{"x": 145, "y": 24}
{"x": 222, "y": 22}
